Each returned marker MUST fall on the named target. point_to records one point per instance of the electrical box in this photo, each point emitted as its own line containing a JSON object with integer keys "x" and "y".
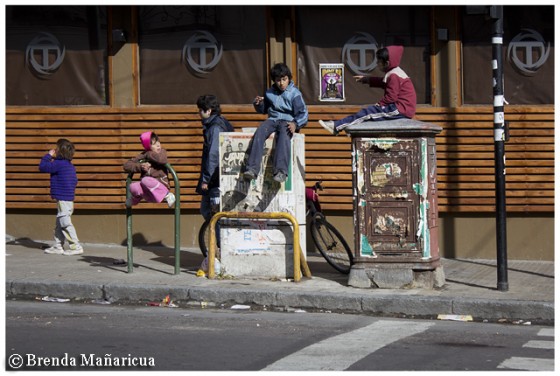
{"x": 395, "y": 203}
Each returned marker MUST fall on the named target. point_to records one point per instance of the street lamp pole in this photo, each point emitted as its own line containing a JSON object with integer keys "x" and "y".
{"x": 500, "y": 136}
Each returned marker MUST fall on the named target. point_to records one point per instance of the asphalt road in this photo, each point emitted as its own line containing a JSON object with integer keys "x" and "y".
{"x": 65, "y": 336}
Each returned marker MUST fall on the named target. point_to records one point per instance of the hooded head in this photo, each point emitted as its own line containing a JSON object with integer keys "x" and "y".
{"x": 395, "y": 55}
{"x": 146, "y": 139}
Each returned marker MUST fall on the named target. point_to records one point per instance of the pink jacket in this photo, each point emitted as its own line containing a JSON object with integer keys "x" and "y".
{"x": 398, "y": 86}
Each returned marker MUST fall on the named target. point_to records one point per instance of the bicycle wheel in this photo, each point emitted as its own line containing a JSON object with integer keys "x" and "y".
{"x": 204, "y": 238}
{"x": 331, "y": 244}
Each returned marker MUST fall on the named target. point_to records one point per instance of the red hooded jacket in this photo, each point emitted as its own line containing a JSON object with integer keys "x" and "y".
{"x": 398, "y": 86}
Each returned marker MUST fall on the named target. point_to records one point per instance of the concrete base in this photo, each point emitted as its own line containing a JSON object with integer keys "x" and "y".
{"x": 395, "y": 277}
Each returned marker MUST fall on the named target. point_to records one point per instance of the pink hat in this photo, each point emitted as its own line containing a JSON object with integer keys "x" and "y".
{"x": 145, "y": 138}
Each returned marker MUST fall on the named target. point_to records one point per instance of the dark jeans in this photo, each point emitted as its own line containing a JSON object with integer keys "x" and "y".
{"x": 282, "y": 147}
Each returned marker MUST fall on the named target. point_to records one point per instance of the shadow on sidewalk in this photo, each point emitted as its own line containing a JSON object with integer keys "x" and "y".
{"x": 28, "y": 243}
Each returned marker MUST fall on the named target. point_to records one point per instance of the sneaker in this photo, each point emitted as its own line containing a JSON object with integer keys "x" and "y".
{"x": 55, "y": 250}
{"x": 329, "y": 126}
{"x": 73, "y": 252}
{"x": 170, "y": 198}
{"x": 249, "y": 175}
{"x": 280, "y": 177}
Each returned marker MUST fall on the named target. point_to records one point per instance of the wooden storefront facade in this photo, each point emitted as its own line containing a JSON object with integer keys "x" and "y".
{"x": 106, "y": 134}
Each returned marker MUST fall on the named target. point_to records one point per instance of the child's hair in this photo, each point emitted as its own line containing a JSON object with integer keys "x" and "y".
{"x": 65, "y": 149}
{"x": 209, "y": 102}
{"x": 280, "y": 70}
{"x": 383, "y": 55}
{"x": 154, "y": 138}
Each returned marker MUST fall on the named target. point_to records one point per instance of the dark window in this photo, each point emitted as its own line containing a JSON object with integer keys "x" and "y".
{"x": 188, "y": 51}
{"x": 322, "y": 32}
{"x": 528, "y": 56}
{"x": 56, "y": 55}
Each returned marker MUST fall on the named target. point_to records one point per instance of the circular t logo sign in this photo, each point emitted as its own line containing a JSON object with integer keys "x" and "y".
{"x": 202, "y": 52}
{"x": 530, "y": 45}
{"x": 44, "y": 54}
{"x": 357, "y": 48}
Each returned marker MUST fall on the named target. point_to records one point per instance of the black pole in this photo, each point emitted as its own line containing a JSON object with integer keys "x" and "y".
{"x": 497, "y": 15}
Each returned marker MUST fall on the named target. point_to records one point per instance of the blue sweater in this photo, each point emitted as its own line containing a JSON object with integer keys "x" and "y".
{"x": 63, "y": 177}
{"x": 284, "y": 105}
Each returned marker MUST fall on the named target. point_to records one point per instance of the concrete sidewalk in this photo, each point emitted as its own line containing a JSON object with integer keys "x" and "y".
{"x": 470, "y": 287}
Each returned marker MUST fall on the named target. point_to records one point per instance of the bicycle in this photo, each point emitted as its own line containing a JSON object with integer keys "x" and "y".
{"x": 328, "y": 240}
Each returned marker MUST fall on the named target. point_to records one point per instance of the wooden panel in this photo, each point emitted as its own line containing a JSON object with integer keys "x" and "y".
{"x": 106, "y": 137}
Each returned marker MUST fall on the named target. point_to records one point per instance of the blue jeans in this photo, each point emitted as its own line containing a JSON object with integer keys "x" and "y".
{"x": 206, "y": 208}
{"x": 282, "y": 147}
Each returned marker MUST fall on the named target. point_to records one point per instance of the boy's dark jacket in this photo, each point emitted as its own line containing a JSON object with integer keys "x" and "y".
{"x": 398, "y": 86}
{"x": 209, "y": 168}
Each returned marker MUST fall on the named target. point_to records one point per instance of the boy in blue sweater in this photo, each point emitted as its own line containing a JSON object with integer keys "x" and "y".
{"x": 58, "y": 163}
{"x": 287, "y": 114}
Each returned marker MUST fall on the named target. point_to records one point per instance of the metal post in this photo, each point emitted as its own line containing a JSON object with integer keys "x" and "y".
{"x": 177, "y": 219}
{"x": 129, "y": 256}
{"x": 496, "y": 14}
{"x": 129, "y": 245}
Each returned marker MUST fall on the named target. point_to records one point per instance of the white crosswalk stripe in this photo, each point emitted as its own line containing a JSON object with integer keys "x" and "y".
{"x": 340, "y": 352}
{"x": 533, "y": 364}
{"x": 528, "y": 364}
{"x": 540, "y": 344}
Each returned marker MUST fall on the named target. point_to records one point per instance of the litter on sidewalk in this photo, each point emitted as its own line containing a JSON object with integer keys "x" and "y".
{"x": 455, "y": 317}
{"x": 55, "y": 300}
{"x": 166, "y": 302}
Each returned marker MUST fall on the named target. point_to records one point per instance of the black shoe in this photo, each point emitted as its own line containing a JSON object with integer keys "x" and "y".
{"x": 280, "y": 177}
{"x": 249, "y": 175}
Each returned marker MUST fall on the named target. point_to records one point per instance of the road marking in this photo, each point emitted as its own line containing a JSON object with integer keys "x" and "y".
{"x": 546, "y": 332}
{"x": 528, "y": 364}
{"x": 340, "y": 352}
{"x": 540, "y": 344}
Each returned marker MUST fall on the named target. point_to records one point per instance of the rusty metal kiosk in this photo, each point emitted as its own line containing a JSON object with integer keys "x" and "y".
{"x": 395, "y": 205}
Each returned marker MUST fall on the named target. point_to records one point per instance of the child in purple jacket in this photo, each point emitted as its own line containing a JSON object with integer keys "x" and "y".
{"x": 58, "y": 163}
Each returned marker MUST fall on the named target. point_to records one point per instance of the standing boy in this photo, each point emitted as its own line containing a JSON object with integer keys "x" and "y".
{"x": 209, "y": 182}
{"x": 399, "y": 99}
{"x": 287, "y": 114}
{"x": 58, "y": 162}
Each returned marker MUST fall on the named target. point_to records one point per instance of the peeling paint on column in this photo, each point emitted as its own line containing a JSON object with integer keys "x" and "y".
{"x": 359, "y": 162}
{"x": 383, "y": 173}
{"x": 365, "y": 248}
{"x": 395, "y": 182}
{"x": 389, "y": 224}
{"x": 384, "y": 143}
{"x": 421, "y": 188}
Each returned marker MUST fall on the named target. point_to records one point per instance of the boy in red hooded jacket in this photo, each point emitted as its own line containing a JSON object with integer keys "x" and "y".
{"x": 399, "y": 99}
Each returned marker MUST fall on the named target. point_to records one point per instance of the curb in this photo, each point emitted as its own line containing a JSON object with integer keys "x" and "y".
{"x": 386, "y": 305}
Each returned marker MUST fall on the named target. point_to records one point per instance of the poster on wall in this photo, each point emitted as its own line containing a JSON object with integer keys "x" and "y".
{"x": 331, "y": 82}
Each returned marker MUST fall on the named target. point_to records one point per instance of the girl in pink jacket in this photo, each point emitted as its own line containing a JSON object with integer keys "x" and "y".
{"x": 154, "y": 183}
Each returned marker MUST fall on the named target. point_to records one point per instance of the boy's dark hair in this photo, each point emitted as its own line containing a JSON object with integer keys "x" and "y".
{"x": 209, "y": 102}
{"x": 154, "y": 138}
{"x": 383, "y": 55}
{"x": 65, "y": 149}
{"x": 280, "y": 70}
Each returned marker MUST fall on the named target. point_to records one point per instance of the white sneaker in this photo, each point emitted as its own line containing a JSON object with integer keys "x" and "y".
{"x": 329, "y": 126}
{"x": 55, "y": 250}
{"x": 73, "y": 252}
{"x": 170, "y": 198}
